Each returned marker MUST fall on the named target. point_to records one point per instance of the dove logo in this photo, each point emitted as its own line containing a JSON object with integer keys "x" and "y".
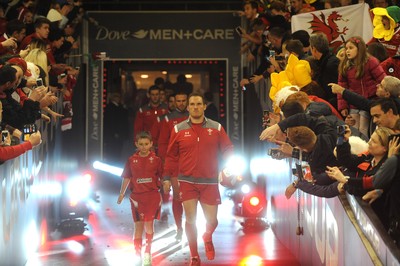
{"x": 104, "y": 33}
{"x": 141, "y": 34}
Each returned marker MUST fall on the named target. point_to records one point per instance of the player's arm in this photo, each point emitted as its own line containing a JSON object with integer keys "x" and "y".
{"x": 124, "y": 186}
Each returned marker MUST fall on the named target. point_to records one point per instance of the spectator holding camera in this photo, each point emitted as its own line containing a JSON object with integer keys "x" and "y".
{"x": 15, "y": 114}
{"x": 313, "y": 135}
{"x": 8, "y": 152}
{"x": 363, "y": 166}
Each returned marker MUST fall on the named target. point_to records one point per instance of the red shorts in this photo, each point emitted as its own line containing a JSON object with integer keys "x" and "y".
{"x": 205, "y": 193}
{"x": 146, "y": 207}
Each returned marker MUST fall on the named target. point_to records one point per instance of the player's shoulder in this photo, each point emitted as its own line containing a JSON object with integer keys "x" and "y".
{"x": 209, "y": 123}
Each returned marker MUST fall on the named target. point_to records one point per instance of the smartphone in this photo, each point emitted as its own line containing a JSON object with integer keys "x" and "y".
{"x": 29, "y": 130}
{"x": 39, "y": 82}
{"x": 274, "y": 152}
{"x": 271, "y": 53}
{"x": 239, "y": 30}
{"x": 265, "y": 119}
{"x": 4, "y": 136}
{"x": 279, "y": 58}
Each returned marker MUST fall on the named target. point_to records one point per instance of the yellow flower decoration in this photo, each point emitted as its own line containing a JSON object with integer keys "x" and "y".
{"x": 296, "y": 75}
{"x": 278, "y": 81}
{"x": 298, "y": 71}
{"x": 379, "y": 31}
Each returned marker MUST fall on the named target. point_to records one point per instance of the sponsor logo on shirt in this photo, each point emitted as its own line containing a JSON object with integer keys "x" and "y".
{"x": 187, "y": 134}
{"x": 144, "y": 180}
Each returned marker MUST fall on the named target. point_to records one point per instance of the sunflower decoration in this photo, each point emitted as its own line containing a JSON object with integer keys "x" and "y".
{"x": 296, "y": 75}
{"x": 385, "y": 22}
{"x": 278, "y": 81}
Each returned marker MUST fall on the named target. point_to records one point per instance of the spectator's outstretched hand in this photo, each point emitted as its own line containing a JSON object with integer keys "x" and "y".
{"x": 394, "y": 146}
{"x": 285, "y": 148}
{"x": 336, "y": 174}
{"x": 35, "y": 139}
{"x": 37, "y": 94}
{"x": 46, "y": 118}
{"x": 244, "y": 82}
{"x": 10, "y": 43}
{"x": 336, "y": 88}
{"x": 256, "y": 78}
{"x": 290, "y": 190}
{"x": 54, "y": 115}
{"x": 270, "y": 132}
{"x": 48, "y": 99}
{"x": 371, "y": 196}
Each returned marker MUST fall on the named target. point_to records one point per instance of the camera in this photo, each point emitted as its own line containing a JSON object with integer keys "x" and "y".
{"x": 39, "y": 82}
{"x": 274, "y": 152}
{"x": 341, "y": 130}
{"x": 271, "y": 53}
{"x": 265, "y": 119}
{"x": 29, "y": 130}
{"x": 239, "y": 30}
{"x": 4, "y": 136}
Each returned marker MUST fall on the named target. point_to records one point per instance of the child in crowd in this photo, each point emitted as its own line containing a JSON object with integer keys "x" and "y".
{"x": 361, "y": 73}
{"x": 142, "y": 173}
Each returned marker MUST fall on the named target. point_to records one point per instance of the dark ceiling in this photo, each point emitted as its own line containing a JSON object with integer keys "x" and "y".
{"x": 151, "y": 5}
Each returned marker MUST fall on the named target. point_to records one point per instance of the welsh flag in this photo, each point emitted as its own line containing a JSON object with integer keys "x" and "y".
{"x": 338, "y": 24}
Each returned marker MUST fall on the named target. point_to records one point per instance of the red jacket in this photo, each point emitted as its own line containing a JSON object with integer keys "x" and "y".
{"x": 194, "y": 150}
{"x": 366, "y": 86}
{"x": 144, "y": 173}
{"x": 147, "y": 116}
{"x": 170, "y": 120}
{"x": 156, "y": 129}
{"x": 10, "y": 152}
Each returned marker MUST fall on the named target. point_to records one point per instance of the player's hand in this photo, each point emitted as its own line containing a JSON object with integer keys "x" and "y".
{"x": 120, "y": 198}
{"x": 166, "y": 186}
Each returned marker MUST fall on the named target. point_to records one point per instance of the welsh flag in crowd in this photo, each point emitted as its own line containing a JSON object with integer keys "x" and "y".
{"x": 338, "y": 24}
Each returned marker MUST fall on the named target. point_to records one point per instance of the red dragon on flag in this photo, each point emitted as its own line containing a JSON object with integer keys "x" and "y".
{"x": 329, "y": 27}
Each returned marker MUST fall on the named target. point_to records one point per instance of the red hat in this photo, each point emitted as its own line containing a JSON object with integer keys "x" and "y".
{"x": 21, "y": 63}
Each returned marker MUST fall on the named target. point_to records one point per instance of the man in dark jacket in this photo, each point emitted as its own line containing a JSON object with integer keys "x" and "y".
{"x": 327, "y": 63}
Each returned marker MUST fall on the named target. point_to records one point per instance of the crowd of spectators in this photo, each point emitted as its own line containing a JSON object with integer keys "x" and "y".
{"x": 335, "y": 110}
{"x": 35, "y": 43}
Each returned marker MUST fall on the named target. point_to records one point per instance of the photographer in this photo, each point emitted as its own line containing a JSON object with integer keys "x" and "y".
{"x": 9, "y": 145}
{"x": 313, "y": 135}
{"x": 362, "y": 165}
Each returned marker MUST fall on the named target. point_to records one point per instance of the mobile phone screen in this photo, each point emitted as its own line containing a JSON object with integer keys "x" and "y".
{"x": 39, "y": 82}
{"x": 29, "y": 130}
